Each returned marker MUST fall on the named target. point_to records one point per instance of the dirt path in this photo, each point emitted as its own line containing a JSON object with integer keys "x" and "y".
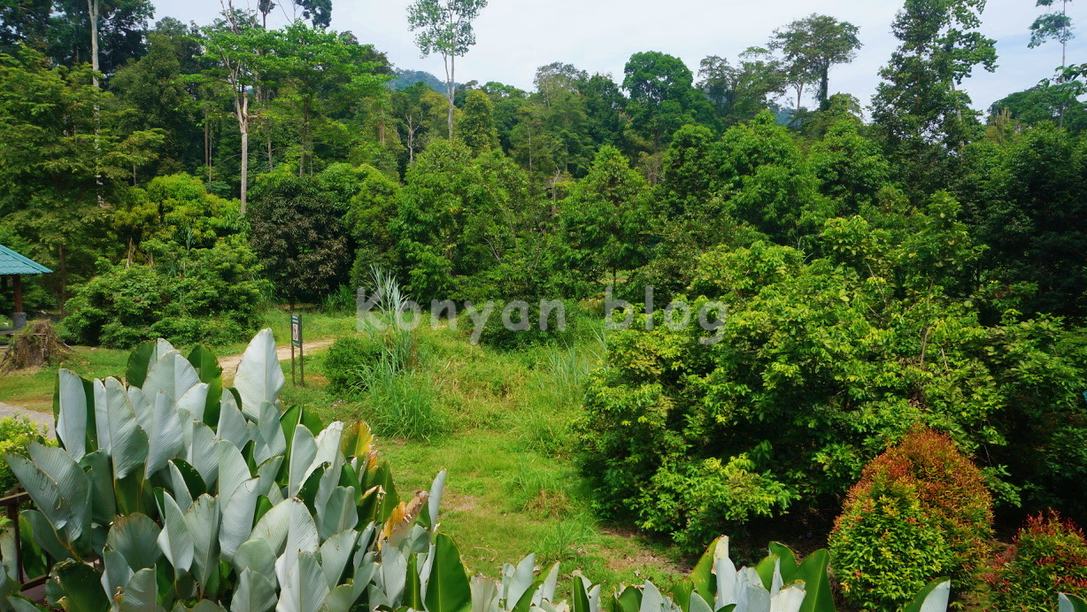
{"x": 228, "y": 363}
{"x": 283, "y": 353}
{"x": 43, "y": 419}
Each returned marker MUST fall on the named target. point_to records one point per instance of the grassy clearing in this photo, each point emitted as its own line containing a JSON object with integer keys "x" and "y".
{"x": 513, "y": 487}
{"x": 504, "y": 431}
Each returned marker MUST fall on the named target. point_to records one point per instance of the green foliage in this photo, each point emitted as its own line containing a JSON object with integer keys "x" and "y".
{"x": 476, "y": 128}
{"x": 404, "y": 405}
{"x": 1026, "y": 198}
{"x": 885, "y": 547}
{"x": 820, "y": 362}
{"x": 603, "y": 219}
{"x": 16, "y": 435}
{"x": 298, "y": 230}
{"x": 210, "y": 295}
{"x": 940, "y": 46}
{"x": 1049, "y": 554}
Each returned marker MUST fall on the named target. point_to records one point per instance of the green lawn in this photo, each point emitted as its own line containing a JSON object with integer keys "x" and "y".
{"x": 513, "y": 487}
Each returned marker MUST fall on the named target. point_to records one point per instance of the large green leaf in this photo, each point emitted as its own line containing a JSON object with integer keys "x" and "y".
{"x": 57, "y": 485}
{"x": 205, "y": 363}
{"x": 128, "y": 441}
{"x": 256, "y": 555}
{"x": 259, "y": 377}
{"x": 932, "y": 598}
{"x": 305, "y": 588}
{"x": 141, "y": 594}
{"x": 202, "y": 520}
{"x": 338, "y": 513}
{"x": 175, "y": 540}
{"x": 45, "y": 535}
{"x": 72, "y": 418}
{"x": 172, "y": 375}
{"x": 100, "y": 478}
{"x": 813, "y": 571}
{"x": 82, "y": 587}
{"x": 335, "y": 552}
{"x": 303, "y": 450}
{"x": 164, "y": 438}
{"x": 581, "y": 601}
{"x": 448, "y": 589}
{"x": 232, "y": 425}
{"x": 301, "y": 538}
{"x": 140, "y": 360}
{"x": 116, "y": 573}
{"x": 255, "y": 593}
{"x": 629, "y": 600}
{"x": 135, "y": 536}
{"x": 1071, "y": 603}
{"x": 268, "y": 437}
{"x": 273, "y": 526}
{"x": 239, "y": 508}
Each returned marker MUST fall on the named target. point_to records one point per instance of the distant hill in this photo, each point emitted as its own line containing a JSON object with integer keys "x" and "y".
{"x": 407, "y": 78}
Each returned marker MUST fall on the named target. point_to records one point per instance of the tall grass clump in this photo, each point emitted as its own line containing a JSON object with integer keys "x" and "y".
{"x": 377, "y": 367}
{"x": 404, "y": 406}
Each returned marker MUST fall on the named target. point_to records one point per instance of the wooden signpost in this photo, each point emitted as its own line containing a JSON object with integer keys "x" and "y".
{"x": 296, "y": 342}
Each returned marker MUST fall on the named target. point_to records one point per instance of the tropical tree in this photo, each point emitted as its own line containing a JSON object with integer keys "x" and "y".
{"x": 236, "y": 45}
{"x": 1056, "y": 25}
{"x": 810, "y": 47}
{"x": 919, "y": 108}
{"x": 445, "y": 27}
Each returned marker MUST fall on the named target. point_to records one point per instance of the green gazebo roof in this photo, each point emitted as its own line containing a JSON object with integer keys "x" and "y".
{"x": 12, "y": 263}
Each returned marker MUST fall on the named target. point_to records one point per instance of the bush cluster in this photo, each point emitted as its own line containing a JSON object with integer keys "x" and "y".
{"x": 212, "y": 295}
{"x": 1048, "y": 556}
{"x": 919, "y": 512}
{"x": 16, "y": 434}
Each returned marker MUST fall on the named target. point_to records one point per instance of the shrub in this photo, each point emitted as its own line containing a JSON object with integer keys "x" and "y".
{"x": 350, "y": 361}
{"x": 525, "y": 327}
{"x": 16, "y": 434}
{"x": 1049, "y": 555}
{"x": 885, "y": 547}
{"x": 951, "y": 490}
{"x": 209, "y": 295}
{"x": 937, "y": 490}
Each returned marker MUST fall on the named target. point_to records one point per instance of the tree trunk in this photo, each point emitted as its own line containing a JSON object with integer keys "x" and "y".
{"x": 92, "y": 14}
{"x": 63, "y": 279}
{"x": 243, "y": 127}
{"x": 451, "y": 90}
{"x": 207, "y": 144}
{"x": 824, "y": 87}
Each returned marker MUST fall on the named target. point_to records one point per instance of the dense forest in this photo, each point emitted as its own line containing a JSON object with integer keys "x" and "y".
{"x": 903, "y": 279}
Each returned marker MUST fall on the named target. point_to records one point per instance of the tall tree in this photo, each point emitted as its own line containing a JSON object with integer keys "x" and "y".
{"x": 810, "y": 47}
{"x": 1054, "y": 25}
{"x": 919, "y": 108}
{"x": 738, "y": 93}
{"x": 662, "y": 96}
{"x": 25, "y": 22}
{"x": 236, "y": 45}
{"x": 477, "y": 123}
{"x": 114, "y": 35}
{"x": 445, "y": 27}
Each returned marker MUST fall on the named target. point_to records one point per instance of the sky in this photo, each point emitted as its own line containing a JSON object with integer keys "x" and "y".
{"x": 514, "y": 37}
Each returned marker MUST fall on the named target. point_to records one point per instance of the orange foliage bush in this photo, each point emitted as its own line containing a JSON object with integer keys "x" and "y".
{"x": 950, "y": 487}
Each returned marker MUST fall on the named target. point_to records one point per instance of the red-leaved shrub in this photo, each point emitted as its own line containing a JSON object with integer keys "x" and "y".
{"x": 1048, "y": 557}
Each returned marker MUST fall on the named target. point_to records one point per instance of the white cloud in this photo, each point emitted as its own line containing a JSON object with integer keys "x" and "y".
{"x": 517, "y": 36}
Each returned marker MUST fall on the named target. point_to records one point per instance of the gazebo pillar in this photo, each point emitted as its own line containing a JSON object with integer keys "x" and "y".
{"x": 18, "y": 318}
